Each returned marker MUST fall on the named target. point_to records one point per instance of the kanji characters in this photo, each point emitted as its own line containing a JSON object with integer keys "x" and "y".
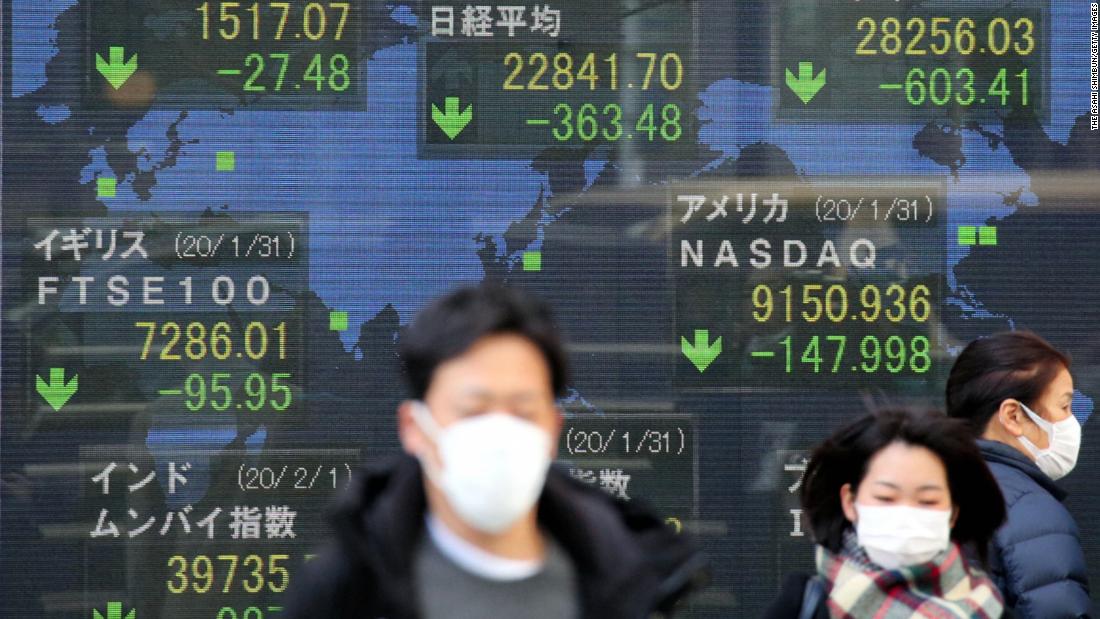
{"x": 443, "y": 21}
{"x": 511, "y": 17}
{"x": 611, "y": 481}
{"x": 546, "y": 20}
{"x": 279, "y": 522}
{"x": 245, "y": 522}
{"x": 614, "y": 482}
{"x": 477, "y": 21}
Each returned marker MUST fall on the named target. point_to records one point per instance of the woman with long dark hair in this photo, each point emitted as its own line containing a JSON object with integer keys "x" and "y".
{"x": 892, "y": 500}
{"x": 1014, "y": 391}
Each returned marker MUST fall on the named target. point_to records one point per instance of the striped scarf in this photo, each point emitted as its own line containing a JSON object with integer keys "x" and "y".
{"x": 943, "y": 588}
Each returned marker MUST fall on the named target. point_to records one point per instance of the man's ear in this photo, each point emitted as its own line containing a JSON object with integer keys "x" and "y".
{"x": 848, "y": 503}
{"x": 1010, "y": 416}
{"x": 412, "y": 439}
{"x": 555, "y": 435}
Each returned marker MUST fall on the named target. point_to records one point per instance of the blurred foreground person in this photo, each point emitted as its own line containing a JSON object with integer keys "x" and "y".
{"x": 891, "y": 499}
{"x": 473, "y": 521}
{"x": 1014, "y": 390}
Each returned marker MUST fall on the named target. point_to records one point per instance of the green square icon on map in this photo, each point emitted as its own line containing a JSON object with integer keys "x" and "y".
{"x": 226, "y": 161}
{"x": 532, "y": 261}
{"x": 338, "y": 321}
{"x": 968, "y": 235}
{"x": 106, "y": 187}
{"x": 987, "y": 235}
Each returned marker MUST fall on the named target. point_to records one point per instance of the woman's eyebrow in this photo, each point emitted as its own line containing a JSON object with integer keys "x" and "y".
{"x": 930, "y": 487}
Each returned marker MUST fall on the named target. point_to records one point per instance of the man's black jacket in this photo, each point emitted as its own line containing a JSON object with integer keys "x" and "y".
{"x": 629, "y": 564}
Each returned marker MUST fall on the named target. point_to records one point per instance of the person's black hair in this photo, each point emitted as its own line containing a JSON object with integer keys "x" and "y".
{"x": 844, "y": 457}
{"x": 1013, "y": 364}
{"x": 450, "y": 325}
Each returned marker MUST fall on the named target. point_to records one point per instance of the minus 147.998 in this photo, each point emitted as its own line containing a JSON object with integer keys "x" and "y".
{"x": 831, "y": 354}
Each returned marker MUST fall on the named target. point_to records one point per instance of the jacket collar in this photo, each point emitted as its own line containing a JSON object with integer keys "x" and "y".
{"x": 995, "y": 451}
{"x": 380, "y": 519}
{"x": 627, "y": 561}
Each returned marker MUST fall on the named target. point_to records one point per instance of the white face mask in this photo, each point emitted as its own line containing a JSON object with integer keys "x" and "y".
{"x": 895, "y": 536}
{"x": 493, "y": 466}
{"x": 1064, "y": 438}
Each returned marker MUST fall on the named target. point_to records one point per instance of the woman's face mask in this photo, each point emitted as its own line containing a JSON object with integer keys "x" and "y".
{"x": 895, "y": 536}
{"x": 492, "y": 466}
{"x": 901, "y": 510}
{"x": 1063, "y": 440}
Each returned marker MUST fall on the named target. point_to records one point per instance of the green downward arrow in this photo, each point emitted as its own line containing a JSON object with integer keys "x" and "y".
{"x": 57, "y": 392}
{"x": 702, "y": 353}
{"x": 452, "y": 122}
{"x": 806, "y": 85}
{"x": 118, "y": 70}
{"x": 114, "y": 611}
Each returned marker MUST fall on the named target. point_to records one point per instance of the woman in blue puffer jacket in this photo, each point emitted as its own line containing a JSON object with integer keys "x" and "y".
{"x": 1014, "y": 390}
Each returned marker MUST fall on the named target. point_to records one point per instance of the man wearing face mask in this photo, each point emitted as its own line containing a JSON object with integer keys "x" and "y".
{"x": 474, "y": 521}
{"x": 1015, "y": 392}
